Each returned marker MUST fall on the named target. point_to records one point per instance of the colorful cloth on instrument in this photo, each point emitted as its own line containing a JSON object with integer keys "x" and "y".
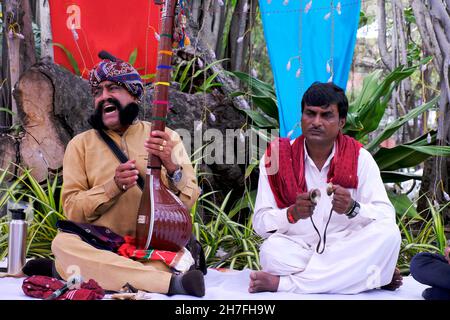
{"x": 120, "y": 72}
{"x": 180, "y": 261}
{"x": 42, "y": 287}
{"x": 287, "y": 162}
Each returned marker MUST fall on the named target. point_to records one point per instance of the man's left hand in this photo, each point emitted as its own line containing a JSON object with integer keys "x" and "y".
{"x": 342, "y": 200}
{"x": 160, "y": 144}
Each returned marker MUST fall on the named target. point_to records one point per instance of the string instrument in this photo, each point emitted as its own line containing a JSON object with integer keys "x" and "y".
{"x": 163, "y": 222}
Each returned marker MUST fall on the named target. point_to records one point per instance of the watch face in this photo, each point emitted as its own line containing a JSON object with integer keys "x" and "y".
{"x": 355, "y": 211}
{"x": 357, "y": 207}
{"x": 177, "y": 176}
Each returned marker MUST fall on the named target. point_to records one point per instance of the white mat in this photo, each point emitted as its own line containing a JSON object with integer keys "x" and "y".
{"x": 233, "y": 285}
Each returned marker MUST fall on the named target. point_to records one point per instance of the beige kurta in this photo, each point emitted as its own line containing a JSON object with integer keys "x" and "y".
{"x": 91, "y": 195}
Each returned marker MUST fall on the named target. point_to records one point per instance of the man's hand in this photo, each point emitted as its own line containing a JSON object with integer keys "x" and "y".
{"x": 126, "y": 175}
{"x": 303, "y": 207}
{"x": 342, "y": 201}
{"x": 160, "y": 144}
{"x": 446, "y": 254}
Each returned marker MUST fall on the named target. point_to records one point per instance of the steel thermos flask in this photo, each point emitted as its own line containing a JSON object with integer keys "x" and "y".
{"x": 17, "y": 241}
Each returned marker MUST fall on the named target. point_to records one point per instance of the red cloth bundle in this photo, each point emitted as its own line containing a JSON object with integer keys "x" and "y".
{"x": 42, "y": 287}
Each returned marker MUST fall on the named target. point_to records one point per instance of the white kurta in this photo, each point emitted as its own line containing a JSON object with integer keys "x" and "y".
{"x": 360, "y": 253}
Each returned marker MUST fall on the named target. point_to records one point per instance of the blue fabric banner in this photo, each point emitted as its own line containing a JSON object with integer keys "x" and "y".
{"x": 307, "y": 41}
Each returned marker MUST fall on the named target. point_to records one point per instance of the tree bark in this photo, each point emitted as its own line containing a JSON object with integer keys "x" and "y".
{"x": 240, "y": 32}
{"x": 433, "y": 22}
{"x": 42, "y": 147}
{"x": 46, "y": 31}
{"x": 20, "y": 49}
{"x": 382, "y": 40}
{"x": 27, "y": 49}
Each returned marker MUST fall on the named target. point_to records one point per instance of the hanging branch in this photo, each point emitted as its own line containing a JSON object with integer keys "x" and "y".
{"x": 425, "y": 27}
{"x": 406, "y": 96}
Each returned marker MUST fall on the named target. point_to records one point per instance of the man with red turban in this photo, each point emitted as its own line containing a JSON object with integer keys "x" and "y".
{"x": 101, "y": 191}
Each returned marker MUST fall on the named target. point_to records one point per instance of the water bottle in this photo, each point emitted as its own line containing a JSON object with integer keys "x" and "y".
{"x": 17, "y": 241}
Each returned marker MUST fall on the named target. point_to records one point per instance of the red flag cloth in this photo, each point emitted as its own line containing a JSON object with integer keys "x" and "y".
{"x": 42, "y": 287}
{"x": 128, "y": 249}
{"x": 85, "y": 27}
{"x": 181, "y": 260}
{"x": 285, "y": 165}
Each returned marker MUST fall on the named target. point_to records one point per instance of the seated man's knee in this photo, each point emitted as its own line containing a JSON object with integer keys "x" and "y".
{"x": 390, "y": 233}
{"x": 57, "y": 243}
{"x": 419, "y": 263}
{"x": 271, "y": 247}
{"x": 64, "y": 243}
{"x": 273, "y": 254}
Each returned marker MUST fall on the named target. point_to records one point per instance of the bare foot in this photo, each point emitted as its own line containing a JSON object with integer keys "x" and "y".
{"x": 396, "y": 281}
{"x": 261, "y": 281}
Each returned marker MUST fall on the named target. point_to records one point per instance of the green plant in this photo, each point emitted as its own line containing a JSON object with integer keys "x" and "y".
{"x": 70, "y": 57}
{"x": 133, "y": 56}
{"x": 226, "y": 242}
{"x": 188, "y": 78}
{"x": 263, "y": 98}
{"x": 47, "y": 210}
{"x": 420, "y": 234}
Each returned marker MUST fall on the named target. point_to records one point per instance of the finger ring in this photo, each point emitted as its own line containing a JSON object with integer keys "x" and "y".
{"x": 161, "y": 148}
{"x": 164, "y": 142}
{"x": 124, "y": 187}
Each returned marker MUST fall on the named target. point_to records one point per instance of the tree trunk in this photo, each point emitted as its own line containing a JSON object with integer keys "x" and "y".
{"x": 382, "y": 39}
{"x": 27, "y": 48}
{"x": 19, "y": 49}
{"x": 433, "y": 22}
{"x": 238, "y": 32}
{"x": 5, "y": 102}
{"x": 46, "y": 31}
{"x": 49, "y": 102}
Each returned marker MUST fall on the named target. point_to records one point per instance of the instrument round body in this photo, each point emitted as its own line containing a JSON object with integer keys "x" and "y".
{"x": 164, "y": 223}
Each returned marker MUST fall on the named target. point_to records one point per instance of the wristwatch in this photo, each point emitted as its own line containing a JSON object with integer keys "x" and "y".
{"x": 176, "y": 175}
{"x": 354, "y": 211}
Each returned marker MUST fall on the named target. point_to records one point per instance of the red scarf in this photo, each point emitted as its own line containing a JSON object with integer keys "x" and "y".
{"x": 289, "y": 180}
{"x": 42, "y": 287}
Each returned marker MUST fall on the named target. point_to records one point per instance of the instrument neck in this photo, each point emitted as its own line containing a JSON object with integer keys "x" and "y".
{"x": 163, "y": 77}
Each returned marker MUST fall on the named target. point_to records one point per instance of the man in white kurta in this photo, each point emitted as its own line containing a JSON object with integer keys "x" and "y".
{"x": 360, "y": 252}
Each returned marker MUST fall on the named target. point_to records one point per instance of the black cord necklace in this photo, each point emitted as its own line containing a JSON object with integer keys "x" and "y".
{"x": 324, "y": 233}
{"x": 314, "y": 196}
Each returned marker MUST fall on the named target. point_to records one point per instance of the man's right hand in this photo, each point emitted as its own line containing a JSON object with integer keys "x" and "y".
{"x": 126, "y": 175}
{"x": 447, "y": 254}
{"x": 303, "y": 207}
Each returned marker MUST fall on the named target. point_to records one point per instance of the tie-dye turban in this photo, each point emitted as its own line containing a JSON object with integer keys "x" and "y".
{"x": 120, "y": 72}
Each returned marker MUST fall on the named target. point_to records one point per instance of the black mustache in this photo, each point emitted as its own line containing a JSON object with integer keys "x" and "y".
{"x": 113, "y": 101}
{"x": 127, "y": 114}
